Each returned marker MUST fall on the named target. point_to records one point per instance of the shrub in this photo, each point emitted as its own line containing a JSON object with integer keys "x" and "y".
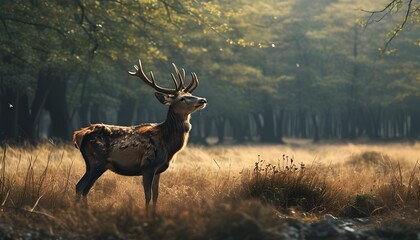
{"x": 289, "y": 185}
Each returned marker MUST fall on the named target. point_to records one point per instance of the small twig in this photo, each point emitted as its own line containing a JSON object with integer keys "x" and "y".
{"x": 216, "y": 163}
{"x": 369, "y": 20}
{"x": 36, "y": 203}
{"x": 5, "y": 198}
{"x": 376, "y": 209}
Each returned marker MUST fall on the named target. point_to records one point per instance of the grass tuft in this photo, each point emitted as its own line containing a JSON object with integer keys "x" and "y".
{"x": 288, "y": 185}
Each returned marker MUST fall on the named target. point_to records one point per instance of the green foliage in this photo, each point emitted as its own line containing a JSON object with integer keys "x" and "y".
{"x": 293, "y": 55}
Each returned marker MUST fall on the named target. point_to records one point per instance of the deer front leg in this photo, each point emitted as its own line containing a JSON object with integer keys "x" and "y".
{"x": 147, "y": 186}
{"x": 155, "y": 191}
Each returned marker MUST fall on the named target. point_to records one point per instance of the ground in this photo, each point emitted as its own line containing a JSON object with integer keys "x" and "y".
{"x": 330, "y": 190}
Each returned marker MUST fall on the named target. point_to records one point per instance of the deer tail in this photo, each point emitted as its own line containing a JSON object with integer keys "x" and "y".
{"x": 78, "y": 137}
{"x": 81, "y": 135}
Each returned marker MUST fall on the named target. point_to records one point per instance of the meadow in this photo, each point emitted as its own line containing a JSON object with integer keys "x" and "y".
{"x": 216, "y": 192}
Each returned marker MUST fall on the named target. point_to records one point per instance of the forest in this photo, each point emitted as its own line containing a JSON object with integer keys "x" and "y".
{"x": 311, "y": 128}
{"x": 332, "y": 69}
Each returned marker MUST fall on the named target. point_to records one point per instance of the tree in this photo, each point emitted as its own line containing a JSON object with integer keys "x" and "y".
{"x": 268, "y": 69}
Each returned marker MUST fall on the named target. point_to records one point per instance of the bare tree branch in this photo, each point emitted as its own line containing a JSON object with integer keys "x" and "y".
{"x": 386, "y": 11}
{"x": 401, "y": 26}
{"x": 59, "y": 31}
{"x": 388, "y": 8}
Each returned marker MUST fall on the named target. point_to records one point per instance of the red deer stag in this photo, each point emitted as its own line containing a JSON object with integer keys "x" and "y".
{"x": 145, "y": 149}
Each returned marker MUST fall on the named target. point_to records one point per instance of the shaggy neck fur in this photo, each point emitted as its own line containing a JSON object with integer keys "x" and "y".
{"x": 175, "y": 131}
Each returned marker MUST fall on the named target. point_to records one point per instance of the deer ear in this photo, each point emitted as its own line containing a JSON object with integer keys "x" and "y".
{"x": 163, "y": 98}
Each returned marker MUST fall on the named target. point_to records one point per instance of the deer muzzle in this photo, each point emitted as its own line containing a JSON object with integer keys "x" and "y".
{"x": 201, "y": 103}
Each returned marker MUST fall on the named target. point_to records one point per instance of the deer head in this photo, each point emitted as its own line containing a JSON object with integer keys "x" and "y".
{"x": 179, "y": 99}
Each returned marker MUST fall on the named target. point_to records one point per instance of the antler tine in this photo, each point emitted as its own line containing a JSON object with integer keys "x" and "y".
{"x": 183, "y": 74}
{"x": 176, "y": 83}
{"x": 152, "y": 83}
{"x": 193, "y": 84}
{"x": 153, "y": 78}
{"x": 181, "y": 79}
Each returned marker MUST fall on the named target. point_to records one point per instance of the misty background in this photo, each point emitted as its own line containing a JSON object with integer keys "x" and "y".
{"x": 269, "y": 69}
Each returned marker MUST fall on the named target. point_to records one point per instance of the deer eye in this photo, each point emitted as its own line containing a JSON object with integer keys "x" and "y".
{"x": 182, "y": 99}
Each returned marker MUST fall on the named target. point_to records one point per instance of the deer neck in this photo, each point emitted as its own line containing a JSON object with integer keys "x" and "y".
{"x": 175, "y": 131}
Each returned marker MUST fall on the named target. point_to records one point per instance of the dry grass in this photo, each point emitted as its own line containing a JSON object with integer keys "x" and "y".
{"x": 213, "y": 192}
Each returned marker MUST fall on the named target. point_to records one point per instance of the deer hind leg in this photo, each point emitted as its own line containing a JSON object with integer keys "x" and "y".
{"x": 85, "y": 184}
{"x": 94, "y": 174}
{"x": 94, "y": 169}
{"x": 81, "y": 185}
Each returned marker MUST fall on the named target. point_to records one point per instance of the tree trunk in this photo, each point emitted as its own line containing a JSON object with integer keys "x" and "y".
{"x": 316, "y": 137}
{"x": 220, "y": 123}
{"x": 126, "y": 112}
{"x": 238, "y": 128}
{"x": 207, "y": 128}
{"x": 5, "y": 119}
{"x": 327, "y": 124}
{"x": 56, "y": 104}
{"x": 96, "y": 114}
{"x": 20, "y": 123}
{"x": 44, "y": 86}
{"x": 267, "y": 131}
{"x": 196, "y": 135}
{"x": 302, "y": 124}
{"x": 345, "y": 125}
{"x": 83, "y": 112}
{"x": 414, "y": 125}
{"x": 11, "y": 109}
{"x": 258, "y": 123}
{"x": 279, "y": 122}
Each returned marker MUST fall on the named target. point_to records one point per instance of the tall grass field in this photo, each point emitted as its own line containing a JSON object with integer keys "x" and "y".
{"x": 217, "y": 192}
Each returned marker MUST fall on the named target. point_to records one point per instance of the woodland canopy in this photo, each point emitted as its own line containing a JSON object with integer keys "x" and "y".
{"x": 269, "y": 69}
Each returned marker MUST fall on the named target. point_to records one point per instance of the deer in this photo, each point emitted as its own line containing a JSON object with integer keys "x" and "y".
{"x": 143, "y": 150}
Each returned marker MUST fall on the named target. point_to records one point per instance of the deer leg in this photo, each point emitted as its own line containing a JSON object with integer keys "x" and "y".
{"x": 147, "y": 186}
{"x": 155, "y": 191}
{"x": 82, "y": 182}
{"x": 94, "y": 174}
{"x": 81, "y": 185}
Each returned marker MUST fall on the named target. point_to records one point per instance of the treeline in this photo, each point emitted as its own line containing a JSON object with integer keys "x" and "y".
{"x": 380, "y": 124}
{"x": 269, "y": 69}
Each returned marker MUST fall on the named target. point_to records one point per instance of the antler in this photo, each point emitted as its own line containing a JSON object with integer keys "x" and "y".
{"x": 194, "y": 80}
{"x": 140, "y": 73}
{"x": 193, "y": 84}
{"x": 178, "y": 87}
